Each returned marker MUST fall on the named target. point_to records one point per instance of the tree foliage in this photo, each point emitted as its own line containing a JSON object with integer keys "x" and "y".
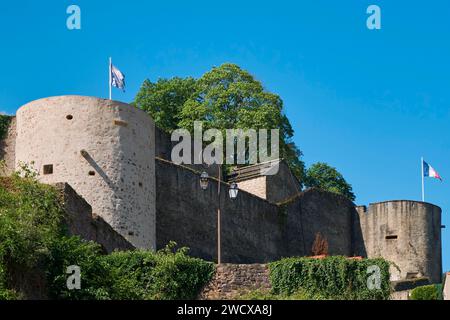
{"x": 325, "y": 177}
{"x": 226, "y": 97}
{"x": 336, "y": 278}
{"x": 164, "y": 100}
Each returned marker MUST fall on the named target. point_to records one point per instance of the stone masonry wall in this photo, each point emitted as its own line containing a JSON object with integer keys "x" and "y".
{"x": 447, "y": 286}
{"x": 256, "y": 186}
{"x": 232, "y": 281}
{"x": 81, "y": 222}
{"x": 407, "y": 233}
{"x": 252, "y": 228}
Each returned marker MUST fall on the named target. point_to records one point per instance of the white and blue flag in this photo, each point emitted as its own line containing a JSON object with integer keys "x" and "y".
{"x": 117, "y": 78}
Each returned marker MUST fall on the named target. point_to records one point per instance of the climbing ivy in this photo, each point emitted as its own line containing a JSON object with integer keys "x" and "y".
{"x": 331, "y": 278}
{"x": 4, "y": 125}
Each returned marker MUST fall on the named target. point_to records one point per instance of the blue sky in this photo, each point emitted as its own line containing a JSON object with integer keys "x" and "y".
{"x": 370, "y": 103}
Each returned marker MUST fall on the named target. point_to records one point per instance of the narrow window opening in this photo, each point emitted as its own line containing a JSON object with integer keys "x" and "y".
{"x": 130, "y": 233}
{"x": 140, "y": 184}
{"x": 48, "y": 169}
{"x": 391, "y": 237}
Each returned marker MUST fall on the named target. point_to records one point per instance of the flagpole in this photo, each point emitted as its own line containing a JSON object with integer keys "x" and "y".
{"x": 423, "y": 183}
{"x": 110, "y": 89}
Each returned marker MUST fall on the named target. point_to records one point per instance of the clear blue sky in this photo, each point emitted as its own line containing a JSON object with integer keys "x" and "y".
{"x": 370, "y": 103}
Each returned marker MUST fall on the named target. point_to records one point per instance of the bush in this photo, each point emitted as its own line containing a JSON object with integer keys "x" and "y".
{"x": 300, "y": 294}
{"x": 96, "y": 279}
{"x": 430, "y": 292}
{"x": 132, "y": 275}
{"x": 165, "y": 275}
{"x": 329, "y": 278}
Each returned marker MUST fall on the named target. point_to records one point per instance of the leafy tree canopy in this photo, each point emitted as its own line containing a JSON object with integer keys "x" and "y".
{"x": 325, "y": 177}
{"x": 226, "y": 97}
{"x": 164, "y": 99}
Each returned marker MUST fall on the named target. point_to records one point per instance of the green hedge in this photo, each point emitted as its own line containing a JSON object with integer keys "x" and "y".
{"x": 431, "y": 292}
{"x": 30, "y": 216}
{"x": 32, "y": 237}
{"x": 132, "y": 275}
{"x": 329, "y": 278}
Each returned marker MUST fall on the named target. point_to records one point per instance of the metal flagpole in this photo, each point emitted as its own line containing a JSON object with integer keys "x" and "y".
{"x": 110, "y": 80}
{"x": 423, "y": 184}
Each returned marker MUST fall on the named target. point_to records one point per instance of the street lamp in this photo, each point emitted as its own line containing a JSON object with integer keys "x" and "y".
{"x": 233, "y": 192}
{"x": 204, "y": 179}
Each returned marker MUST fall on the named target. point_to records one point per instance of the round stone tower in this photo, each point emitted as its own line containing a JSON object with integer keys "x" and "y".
{"x": 104, "y": 149}
{"x": 407, "y": 233}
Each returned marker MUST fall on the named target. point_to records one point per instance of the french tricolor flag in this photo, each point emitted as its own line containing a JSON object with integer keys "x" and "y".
{"x": 428, "y": 171}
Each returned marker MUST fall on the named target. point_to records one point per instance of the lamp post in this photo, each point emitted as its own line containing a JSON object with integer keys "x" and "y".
{"x": 233, "y": 192}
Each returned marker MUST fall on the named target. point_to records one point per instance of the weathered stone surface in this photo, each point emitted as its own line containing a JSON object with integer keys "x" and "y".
{"x": 407, "y": 233}
{"x": 80, "y": 221}
{"x": 447, "y": 286}
{"x": 8, "y": 148}
{"x": 252, "y": 228}
{"x": 274, "y": 188}
{"x": 120, "y": 143}
{"x": 315, "y": 211}
{"x": 232, "y": 281}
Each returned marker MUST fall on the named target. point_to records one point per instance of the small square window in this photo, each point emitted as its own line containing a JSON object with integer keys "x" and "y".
{"x": 48, "y": 169}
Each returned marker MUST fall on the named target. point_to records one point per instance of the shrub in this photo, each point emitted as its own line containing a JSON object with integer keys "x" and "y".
{"x": 96, "y": 277}
{"x": 4, "y": 124}
{"x": 30, "y": 216}
{"x": 329, "y": 278}
{"x": 430, "y": 292}
{"x": 300, "y": 294}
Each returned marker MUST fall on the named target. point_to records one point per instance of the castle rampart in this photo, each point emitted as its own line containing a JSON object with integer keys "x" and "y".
{"x": 104, "y": 149}
{"x": 407, "y": 233}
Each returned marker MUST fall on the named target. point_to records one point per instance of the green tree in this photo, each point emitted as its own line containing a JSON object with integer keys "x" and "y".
{"x": 229, "y": 97}
{"x": 164, "y": 99}
{"x": 321, "y": 175}
{"x": 226, "y": 97}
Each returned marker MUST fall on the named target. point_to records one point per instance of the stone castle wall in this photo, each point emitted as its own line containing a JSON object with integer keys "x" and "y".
{"x": 8, "y": 148}
{"x": 315, "y": 211}
{"x": 407, "y": 233}
{"x": 150, "y": 203}
{"x": 81, "y": 222}
{"x": 103, "y": 149}
{"x": 252, "y": 228}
